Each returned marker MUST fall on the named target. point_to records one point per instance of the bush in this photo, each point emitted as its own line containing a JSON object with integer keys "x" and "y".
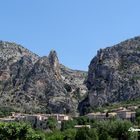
{"x": 69, "y": 134}
{"x": 86, "y": 134}
{"x": 51, "y": 123}
{"x": 17, "y": 131}
{"x": 83, "y": 120}
{"x": 57, "y": 135}
{"x": 5, "y": 111}
{"x": 68, "y": 124}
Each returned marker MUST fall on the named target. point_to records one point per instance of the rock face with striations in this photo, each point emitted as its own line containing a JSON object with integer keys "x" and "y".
{"x": 38, "y": 84}
{"x": 114, "y": 74}
{"x": 41, "y": 84}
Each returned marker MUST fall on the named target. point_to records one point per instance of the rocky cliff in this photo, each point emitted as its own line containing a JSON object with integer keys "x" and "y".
{"x": 38, "y": 84}
{"x": 114, "y": 74}
{"x": 41, "y": 84}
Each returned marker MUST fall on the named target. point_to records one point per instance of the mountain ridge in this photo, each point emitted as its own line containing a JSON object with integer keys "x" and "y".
{"x": 113, "y": 74}
{"x": 34, "y": 84}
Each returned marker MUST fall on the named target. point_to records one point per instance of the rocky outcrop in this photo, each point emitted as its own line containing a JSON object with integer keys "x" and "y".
{"x": 114, "y": 74}
{"x": 29, "y": 83}
{"x": 41, "y": 84}
{"x": 11, "y": 52}
{"x": 74, "y": 83}
{"x": 54, "y": 64}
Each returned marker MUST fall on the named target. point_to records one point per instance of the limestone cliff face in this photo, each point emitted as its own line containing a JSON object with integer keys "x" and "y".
{"x": 114, "y": 74}
{"x": 41, "y": 84}
{"x": 54, "y": 64}
{"x": 12, "y": 52}
{"x": 38, "y": 84}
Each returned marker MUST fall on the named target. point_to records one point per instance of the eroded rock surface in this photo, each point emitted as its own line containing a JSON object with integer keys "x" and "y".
{"x": 30, "y": 83}
{"x": 114, "y": 74}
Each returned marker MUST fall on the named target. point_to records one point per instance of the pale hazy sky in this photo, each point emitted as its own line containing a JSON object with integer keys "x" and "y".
{"x": 76, "y": 29}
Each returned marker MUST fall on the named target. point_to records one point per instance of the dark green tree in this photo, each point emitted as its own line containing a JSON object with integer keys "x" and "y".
{"x": 56, "y": 135}
{"x": 68, "y": 124}
{"x": 119, "y": 129}
{"x": 69, "y": 134}
{"x": 51, "y": 123}
{"x": 83, "y": 120}
{"x": 17, "y": 131}
{"x": 86, "y": 134}
{"x": 138, "y": 112}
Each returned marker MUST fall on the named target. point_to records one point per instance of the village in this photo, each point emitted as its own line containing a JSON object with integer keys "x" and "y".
{"x": 39, "y": 120}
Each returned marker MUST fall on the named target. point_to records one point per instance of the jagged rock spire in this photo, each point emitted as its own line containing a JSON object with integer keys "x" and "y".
{"x": 54, "y": 62}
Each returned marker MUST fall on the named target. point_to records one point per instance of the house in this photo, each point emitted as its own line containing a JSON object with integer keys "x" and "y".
{"x": 8, "y": 119}
{"x": 117, "y": 109}
{"x": 36, "y": 120}
{"x": 98, "y": 115}
{"x": 62, "y": 117}
{"x": 41, "y": 117}
{"x": 39, "y": 120}
{"x": 59, "y": 117}
{"x": 132, "y": 107}
{"x": 126, "y": 114}
{"x": 112, "y": 114}
{"x": 101, "y": 116}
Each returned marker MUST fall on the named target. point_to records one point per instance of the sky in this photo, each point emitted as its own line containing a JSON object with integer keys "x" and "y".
{"x": 76, "y": 29}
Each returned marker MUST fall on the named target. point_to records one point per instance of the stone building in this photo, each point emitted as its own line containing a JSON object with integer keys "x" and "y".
{"x": 98, "y": 115}
{"x": 126, "y": 114}
{"x": 121, "y": 113}
{"x": 38, "y": 120}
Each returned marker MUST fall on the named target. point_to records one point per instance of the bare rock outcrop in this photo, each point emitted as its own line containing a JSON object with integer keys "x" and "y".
{"x": 29, "y": 83}
{"x": 114, "y": 74}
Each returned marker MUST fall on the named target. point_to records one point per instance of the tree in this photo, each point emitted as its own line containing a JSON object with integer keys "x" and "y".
{"x": 56, "y": 135}
{"x": 114, "y": 129}
{"x": 104, "y": 135}
{"x": 86, "y": 134}
{"x": 68, "y": 124}
{"x": 138, "y": 120}
{"x": 83, "y": 120}
{"x": 119, "y": 129}
{"x": 69, "y": 134}
{"x": 5, "y": 111}
{"x": 51, "y": 123}
{"x": 17, "y": 131}
{"x": 138, "y": 112}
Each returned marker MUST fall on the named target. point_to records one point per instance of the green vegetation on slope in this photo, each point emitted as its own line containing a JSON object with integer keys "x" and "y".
{"x": 101, "y": 130}
{"x": 110, "y": 106}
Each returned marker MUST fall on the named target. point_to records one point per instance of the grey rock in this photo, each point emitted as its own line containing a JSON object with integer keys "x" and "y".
{"x": 114, "y": 74}
{"x": 29, "y": 83}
